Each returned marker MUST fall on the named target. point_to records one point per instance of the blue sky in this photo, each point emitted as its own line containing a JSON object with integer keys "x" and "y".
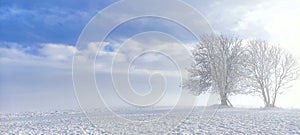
{"x": 38, "y": 38}
{"x": 55, "y": 21}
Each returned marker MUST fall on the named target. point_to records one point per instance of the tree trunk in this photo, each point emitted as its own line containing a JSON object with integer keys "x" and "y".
{"x": 274, "y": 98}
{"x": 229, "y": 103}
{"x": 269, "y": 105}
{"x": 224, "y": 100}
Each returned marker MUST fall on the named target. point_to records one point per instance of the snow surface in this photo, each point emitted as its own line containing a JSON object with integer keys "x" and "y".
{"x": 224, "y": 121}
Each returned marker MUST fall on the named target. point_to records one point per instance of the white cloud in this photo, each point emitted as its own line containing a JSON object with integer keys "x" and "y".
{"x": 274, "y": 20}
{"x": 57, "y": 51}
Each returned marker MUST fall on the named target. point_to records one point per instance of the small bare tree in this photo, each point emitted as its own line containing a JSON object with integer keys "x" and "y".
{"x": 217, "y": 67}
{"x": 270, "y": 70}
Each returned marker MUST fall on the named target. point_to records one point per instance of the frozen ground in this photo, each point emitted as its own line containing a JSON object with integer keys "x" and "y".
{"x": 225, "y": 121}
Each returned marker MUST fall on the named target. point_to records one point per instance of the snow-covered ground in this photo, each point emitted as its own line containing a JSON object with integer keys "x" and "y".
{"x": 224, "y": 121}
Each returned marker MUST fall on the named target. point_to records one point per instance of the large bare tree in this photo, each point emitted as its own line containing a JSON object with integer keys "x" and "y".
{"x": 270, "y": 70}
{"x": 217, "y": 67}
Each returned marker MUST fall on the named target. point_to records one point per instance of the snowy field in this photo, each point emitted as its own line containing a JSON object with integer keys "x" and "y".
{"x": 224, "y": 121}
